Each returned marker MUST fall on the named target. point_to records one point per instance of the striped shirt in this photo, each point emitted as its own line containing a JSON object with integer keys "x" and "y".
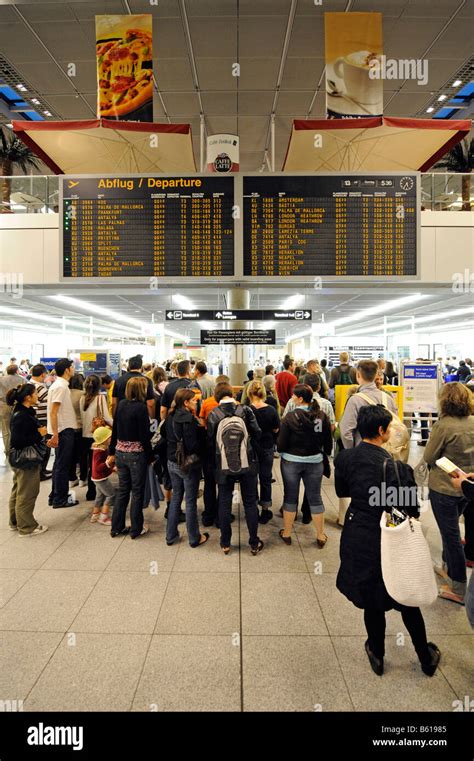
{"x": 42, "y": 406}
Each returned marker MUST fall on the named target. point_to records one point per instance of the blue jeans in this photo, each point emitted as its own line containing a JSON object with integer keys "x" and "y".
{"x": 265, "y": 467}
{"x": 311, "y": 473}
{"x": 447, "y": 510}
{"x": 62, "y": 463}
{"x": 132, "y": 471}
{"x": 248, "y": 488}
{"x": 184, "y": 485}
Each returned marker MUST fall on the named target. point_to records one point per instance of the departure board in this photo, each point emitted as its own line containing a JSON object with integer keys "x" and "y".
{"x": 330, "y": 225}
{"x": 147, "y": 226}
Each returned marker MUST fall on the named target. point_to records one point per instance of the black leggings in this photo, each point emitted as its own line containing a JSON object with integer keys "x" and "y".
{"x": 413, "y": 620}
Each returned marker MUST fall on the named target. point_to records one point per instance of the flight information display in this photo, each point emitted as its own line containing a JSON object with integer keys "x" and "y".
{"x": 147, "y": 226}
{"x": 330, "y": 225}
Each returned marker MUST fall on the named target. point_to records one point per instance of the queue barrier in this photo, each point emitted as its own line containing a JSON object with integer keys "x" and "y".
{"x": 341, "y": 394}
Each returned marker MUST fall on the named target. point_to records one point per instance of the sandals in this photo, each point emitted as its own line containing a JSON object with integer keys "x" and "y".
{"x": 286, "y": 539}
{"x": 258, "y": 548}
{"x": 322, "y": 542}
{"x": 447, "y": 594}
{"x": 198, "y": 544}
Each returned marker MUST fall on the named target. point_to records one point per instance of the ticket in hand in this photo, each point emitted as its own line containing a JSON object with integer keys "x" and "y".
{"x": 449, "y": 467}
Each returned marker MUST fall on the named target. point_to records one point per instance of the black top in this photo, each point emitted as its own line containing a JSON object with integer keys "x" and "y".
{"x": 273, "y": 403}
{"x": 303, "y": 434}
{"x": 359, "y": 474}
{"x": 171, "y": 389}
{"x": 131, "y": 423}
{"x": 120, "y": 385}
{"x": 182, "y": 424}
{"x": 24, "y": 427}
{"x": 267, "y": 419}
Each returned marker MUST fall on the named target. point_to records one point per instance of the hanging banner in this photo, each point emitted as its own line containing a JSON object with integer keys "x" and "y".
{"x": 124, "y": 67}
{"x": 223, "y": 153}
{"x": 354, "y": 50}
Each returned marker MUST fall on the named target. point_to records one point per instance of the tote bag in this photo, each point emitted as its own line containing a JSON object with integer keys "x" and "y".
{"x": 407, "y": 569}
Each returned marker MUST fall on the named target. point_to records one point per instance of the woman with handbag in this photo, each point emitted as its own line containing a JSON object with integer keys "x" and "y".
{"x": 26, "y": 456}
{"x": 94, "y": 414}
{"x": 304, "y": 443}
{"x": 185, "y": 440}
{"x": 365, "y": 474}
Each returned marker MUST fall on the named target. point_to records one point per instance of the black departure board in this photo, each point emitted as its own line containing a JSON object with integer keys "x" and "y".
{"x": 330, "y": 225}
{"x": 147, "y": 226}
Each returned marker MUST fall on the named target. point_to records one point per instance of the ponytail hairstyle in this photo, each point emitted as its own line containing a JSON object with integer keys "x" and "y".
{"x": 18, "y": 395}
{"x": 92, "y": 387}
{"x": 182, "y": 395}
{"x": 306, "y": 393}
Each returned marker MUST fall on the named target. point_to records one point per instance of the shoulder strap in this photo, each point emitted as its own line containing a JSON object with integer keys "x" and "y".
{"x": 367, "y": 398}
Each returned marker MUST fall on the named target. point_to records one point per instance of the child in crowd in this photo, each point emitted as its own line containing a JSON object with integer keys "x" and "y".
{"x": 101, "y": 476}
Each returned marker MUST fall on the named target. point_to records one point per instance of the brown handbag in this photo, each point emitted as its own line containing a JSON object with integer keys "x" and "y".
{"x": 98, "y": 421}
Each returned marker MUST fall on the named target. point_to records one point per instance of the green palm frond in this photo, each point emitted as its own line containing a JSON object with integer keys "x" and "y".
{"x": 13, "y": 151}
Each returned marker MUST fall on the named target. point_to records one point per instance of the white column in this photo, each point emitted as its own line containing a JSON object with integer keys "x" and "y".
{"x": 238, "y": 298}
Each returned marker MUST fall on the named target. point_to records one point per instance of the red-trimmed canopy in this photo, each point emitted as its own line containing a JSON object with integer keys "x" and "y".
{"x": 375, "y": 144}
{"x": 100, "y": 146}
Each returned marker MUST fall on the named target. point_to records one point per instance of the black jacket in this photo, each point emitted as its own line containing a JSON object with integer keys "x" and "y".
{"x": 357, "y": 472}
{"x": 24, "y": 427}
{"x": 131, "y": 423}
{"x": 298, "y": 435}
{"x": 182, "y": 424}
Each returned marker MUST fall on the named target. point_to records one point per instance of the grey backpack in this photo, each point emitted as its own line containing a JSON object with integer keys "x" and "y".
{"x": 232, "y": 445}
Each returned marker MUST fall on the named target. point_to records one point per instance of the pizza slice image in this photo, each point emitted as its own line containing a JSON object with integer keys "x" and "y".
{"x": 125, "y": 73}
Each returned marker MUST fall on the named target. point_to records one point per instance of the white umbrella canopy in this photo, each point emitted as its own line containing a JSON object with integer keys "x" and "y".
{"x": 375, "y": 144}
{"x": 105, "y": 146}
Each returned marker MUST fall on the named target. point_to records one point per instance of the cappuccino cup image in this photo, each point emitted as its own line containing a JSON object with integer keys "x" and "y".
{"x": 354, "y": 69}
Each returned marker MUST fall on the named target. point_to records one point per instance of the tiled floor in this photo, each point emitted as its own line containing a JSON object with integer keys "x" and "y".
{"x": 92, "y": 623}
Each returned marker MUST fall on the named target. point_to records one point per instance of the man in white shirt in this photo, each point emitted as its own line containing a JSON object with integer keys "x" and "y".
{"x": 61, "y": 426}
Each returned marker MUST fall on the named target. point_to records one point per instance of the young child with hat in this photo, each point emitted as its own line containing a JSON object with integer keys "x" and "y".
{"x": 105, "y": 489}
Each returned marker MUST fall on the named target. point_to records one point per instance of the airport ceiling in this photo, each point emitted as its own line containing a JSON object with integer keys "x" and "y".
{"x": 333, "y": 303}
{"x": 278, "y": 43}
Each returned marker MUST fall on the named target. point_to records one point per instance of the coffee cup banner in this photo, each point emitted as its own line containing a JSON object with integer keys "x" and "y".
{"x": 353, "y": 45}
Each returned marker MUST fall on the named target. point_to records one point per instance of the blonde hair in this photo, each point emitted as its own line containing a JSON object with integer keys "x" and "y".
{"x": 456, "y": 400}
{"x": 344, "y": 357}
{"x": 257, "y": 389}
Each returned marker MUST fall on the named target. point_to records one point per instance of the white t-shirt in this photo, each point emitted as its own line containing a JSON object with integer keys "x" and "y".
{"x": 59, "y": 392}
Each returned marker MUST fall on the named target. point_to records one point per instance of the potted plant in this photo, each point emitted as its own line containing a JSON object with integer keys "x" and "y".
{"x": 13, "y": 154}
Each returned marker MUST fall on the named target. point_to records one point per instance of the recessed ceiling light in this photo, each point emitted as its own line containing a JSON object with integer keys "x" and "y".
{"x": 457, "y": 83}
{"x": 429, "y": 110}
{"x": 442, "y": 97}
{"x": 35, "y": 101}
{"x": 21, "y": 87}
{"x": 47, "y": 113}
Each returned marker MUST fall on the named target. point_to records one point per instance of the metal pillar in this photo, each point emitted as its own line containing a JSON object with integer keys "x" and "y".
{"x": 238, "y": 298}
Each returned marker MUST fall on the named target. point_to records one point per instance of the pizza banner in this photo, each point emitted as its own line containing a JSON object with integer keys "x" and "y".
{"x": 223, "y": 153}
{"x": 354, "y": 48}
{"x": 125, "y": 67}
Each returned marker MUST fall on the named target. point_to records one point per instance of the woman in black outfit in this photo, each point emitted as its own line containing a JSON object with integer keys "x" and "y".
{"x": 26, "y": 481}
{"x": 182, "y": 425}
{"x": 269, "y": 423}
{"x": 357, "y": 472}
{"x": 130, "y": 450}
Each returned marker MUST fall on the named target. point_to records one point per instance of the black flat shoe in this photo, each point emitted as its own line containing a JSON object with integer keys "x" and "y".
{"x": 286, "y": 539}
{"x": 198, "y": 544}
{"x": 124, "y": 531}
{"x": 258, "y": 548}
{"x": 375, "y": 663}
{"x": 265, "y": 516}
{"x": 430, "y": 668}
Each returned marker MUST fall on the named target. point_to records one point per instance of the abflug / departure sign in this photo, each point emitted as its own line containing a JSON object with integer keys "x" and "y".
{"x": 330, "y": 225}
{"x": 147, "y": 226}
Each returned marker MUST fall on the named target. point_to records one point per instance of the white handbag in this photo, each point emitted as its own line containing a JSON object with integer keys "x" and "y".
{"x": 407, "y": 569}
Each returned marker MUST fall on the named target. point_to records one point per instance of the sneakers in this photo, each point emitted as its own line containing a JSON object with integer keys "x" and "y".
{"x": 69, "y": 503}
{"x": 104, "y": 519}
{"x": 13, "y": 528}
{"x": 376, "y": 664}
{"x": 73, "y": 483}
{"x": 430, "y": 668}
{"x": 38, "y": 530}
{"x": 95, "y": 517}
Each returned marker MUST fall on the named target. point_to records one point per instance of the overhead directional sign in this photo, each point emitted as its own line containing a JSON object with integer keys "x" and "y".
{"x": 240, "y": 314}
{"x": 238, "y": 337}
